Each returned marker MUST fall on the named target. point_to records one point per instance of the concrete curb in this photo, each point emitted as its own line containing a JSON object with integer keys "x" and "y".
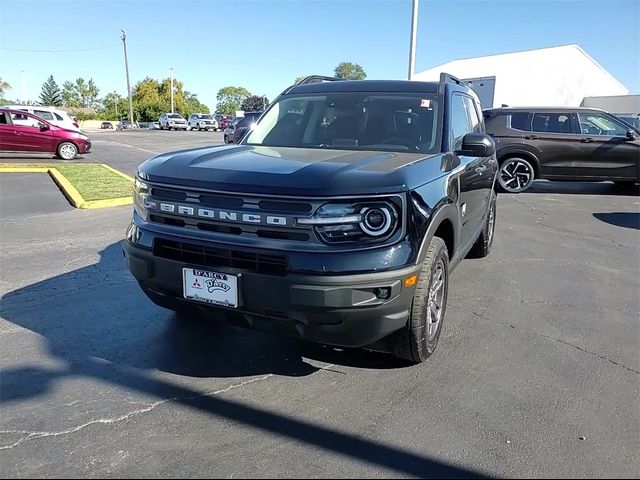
{"x": 69, "y": 191}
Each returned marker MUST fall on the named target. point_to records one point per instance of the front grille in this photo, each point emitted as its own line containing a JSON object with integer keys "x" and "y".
{"x": 221, "y": 257}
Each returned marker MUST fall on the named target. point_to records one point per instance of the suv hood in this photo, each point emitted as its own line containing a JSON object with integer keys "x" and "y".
{"x": 291, "y": 171}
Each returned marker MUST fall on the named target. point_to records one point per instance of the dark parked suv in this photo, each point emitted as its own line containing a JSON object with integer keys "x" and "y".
{"x": 244, "y": 125}
{"x": 337, "y": 219}
{"x": 562, "y": 144}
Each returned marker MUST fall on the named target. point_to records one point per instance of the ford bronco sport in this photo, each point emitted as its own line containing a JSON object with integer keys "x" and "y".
{"x": 337, "y": 219}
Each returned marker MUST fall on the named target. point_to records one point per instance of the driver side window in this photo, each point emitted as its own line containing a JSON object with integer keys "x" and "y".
{"x": 24, "y": 120}
{"x": 598, "y": 124}
{"x": 460, "y": 121}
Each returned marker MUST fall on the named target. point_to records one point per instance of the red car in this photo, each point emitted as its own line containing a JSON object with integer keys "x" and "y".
{"x": 23, "y": 132}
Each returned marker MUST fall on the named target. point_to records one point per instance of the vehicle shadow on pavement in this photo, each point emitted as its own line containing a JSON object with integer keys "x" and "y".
{"x": 97, "y": 321}
{"x": 620, "y": 219}
{"x": 583, "y": 188}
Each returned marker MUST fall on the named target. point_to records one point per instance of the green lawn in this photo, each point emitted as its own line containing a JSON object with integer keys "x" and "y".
{"x": 94, "y": 182}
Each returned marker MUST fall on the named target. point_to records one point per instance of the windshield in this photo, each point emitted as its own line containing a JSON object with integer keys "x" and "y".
{"x": 352, "y": 120}
{"x": 174, "y": 115}
{"x": 205, "y": 117}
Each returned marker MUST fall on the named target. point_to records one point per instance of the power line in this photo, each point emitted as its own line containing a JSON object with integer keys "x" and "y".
{"x": 59, "y": 51}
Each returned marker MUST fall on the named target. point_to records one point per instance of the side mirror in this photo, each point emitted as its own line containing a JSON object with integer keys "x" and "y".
{"x": 477, "y": 145}
{"x": 43, "y": 127}
{"x": 631, "y": 135}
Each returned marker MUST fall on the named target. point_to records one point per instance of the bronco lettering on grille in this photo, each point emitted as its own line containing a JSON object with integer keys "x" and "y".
{"x": 222, "y": 215}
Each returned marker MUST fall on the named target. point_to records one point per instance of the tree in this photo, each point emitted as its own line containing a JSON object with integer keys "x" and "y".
{"x": 80, "y": 94}
{"x": 4, "y": 86}
{"x": 70, "y": 98}
{"x": 230, "y": 99}
{"x": 51, "y": 94}
{"x": 254, "y": 103}
{"x": 113, "y": 107}
{"x": 349, "y": 71}
{"x": 151, "y": 98}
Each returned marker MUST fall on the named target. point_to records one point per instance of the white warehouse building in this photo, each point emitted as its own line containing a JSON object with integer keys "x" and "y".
{"x": 558, "y": 76}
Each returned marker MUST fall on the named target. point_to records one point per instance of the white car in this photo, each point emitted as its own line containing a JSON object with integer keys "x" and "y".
{"x": 59, "y": 118}
{"x": 202, "y": 121}
{"x": 171, "y": 121}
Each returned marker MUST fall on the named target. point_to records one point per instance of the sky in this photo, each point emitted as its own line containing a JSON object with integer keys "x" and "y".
{"x": 263, "y": 45}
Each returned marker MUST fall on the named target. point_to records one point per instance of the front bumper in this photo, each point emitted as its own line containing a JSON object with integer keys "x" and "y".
{"x": 342, "y": 310}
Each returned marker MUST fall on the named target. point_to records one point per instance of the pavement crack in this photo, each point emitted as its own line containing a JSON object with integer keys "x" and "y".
{"x": 603, "y": 357}
{"x": 31, "y": 435}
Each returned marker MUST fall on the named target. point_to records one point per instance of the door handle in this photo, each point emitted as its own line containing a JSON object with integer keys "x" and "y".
{"x": 586, "y": 140}
{"x": 480, "y": 169}
{"x": 531, "y": 137}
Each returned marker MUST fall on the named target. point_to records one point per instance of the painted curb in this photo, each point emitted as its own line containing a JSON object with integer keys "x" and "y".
{"x": 69, "y": 191}
{"x": 117, "y": 172}
{"x": 24, "y": 169}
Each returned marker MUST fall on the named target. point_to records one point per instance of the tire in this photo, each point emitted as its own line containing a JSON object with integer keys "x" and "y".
{"x": 419, "y": 338}
{"x": 483, "y": 244}
{"x": 516, "y": 175}
{"x": 67, "y": 151}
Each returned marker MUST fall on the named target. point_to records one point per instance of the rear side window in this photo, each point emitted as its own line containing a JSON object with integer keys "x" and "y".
{"x": 44, "y": 114}
{"x": 520, "y": 121}
{"x": 551, "y": 123}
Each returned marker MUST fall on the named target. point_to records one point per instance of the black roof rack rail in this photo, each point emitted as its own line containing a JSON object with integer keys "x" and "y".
{"x": 317, "y": 79}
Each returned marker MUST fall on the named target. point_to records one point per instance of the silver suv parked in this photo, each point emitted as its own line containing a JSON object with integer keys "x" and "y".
{"x": 202, "y": 121}
{"x": 172, "y": 120}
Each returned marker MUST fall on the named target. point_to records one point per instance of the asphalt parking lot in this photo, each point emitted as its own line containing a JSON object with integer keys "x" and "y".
{"x": 536, "y": 374}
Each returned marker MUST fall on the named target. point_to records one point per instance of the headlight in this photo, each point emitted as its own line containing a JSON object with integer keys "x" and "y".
{"x": 140, "y": 197}
{"x": 361, "y": 221}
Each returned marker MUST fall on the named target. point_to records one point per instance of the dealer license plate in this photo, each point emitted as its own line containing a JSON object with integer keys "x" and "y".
{"x": 210, "y": 287}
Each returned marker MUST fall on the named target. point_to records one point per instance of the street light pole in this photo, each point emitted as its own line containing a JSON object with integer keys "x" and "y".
{"x": 171, "y": 89}
{"x": 412, "y": 43}
{"x": 123, "y": 36}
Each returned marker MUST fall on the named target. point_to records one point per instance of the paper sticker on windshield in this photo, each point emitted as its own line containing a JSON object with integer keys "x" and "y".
{"x": 425, "y": 103}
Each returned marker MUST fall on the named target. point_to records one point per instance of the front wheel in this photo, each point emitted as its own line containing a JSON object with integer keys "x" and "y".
{"x": 67, "y": 151}
{"x": 516, "y": 175}
{"x": 419, "y": 338}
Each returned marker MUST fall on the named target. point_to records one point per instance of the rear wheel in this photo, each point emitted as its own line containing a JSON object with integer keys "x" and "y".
{"x": 419, "y": 338}
{"x": 516, "y": 175}
{"x": 67, "y": 151}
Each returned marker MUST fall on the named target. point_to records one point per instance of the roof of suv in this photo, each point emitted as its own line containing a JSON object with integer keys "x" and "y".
{"x": 366, "y": 86}
{"x": 543, "y": 109}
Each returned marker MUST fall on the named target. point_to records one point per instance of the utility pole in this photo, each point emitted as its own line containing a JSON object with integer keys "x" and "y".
{"x": 412, "y": 43}
{"x": 171, "y": 89}
{"x": 123, "y": 36}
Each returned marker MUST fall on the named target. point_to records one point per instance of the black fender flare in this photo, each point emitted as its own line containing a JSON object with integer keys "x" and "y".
{"x": 449, "y": 212}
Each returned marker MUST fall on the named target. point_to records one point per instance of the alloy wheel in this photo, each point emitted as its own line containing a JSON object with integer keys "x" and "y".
{"x": 435, "y": 300}
{"x": 516, "y": 175}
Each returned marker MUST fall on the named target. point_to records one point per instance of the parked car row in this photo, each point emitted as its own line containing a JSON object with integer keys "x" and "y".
{"x": 196, "y": 121}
